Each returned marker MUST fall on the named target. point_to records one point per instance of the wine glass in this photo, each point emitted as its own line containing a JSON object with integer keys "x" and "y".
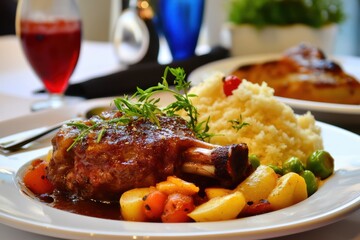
{"x": 50, "y": 36}
{"x": 180, "y": 22}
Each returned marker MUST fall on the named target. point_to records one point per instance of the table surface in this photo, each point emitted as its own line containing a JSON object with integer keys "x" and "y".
{"x": 18, "y": 82}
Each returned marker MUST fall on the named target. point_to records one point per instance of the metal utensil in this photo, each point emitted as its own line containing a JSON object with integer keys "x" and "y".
{"x": 17, "y": 144}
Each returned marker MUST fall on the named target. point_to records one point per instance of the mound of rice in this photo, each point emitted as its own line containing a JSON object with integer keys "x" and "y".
{"x": 274, "y": 132}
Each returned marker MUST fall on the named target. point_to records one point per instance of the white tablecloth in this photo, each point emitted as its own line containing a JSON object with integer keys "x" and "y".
{"x": 18, "y": 82}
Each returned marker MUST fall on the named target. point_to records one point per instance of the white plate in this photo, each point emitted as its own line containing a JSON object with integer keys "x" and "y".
{"x": 344, "y": 114}
{"x": 339, "y": 196}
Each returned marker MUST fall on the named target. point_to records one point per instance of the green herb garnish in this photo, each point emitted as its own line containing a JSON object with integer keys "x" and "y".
{"x": 238, "y": 124}
{"x": 144, "y": 105}
{"x": 150, "y": 110}
{"x": 260, "y": 13}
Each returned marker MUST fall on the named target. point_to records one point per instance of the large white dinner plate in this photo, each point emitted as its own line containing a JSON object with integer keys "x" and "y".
{"x": 339, "y": 196}
{"x": 344, "y": 114}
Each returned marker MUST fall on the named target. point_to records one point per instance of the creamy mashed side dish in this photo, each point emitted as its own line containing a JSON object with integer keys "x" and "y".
{"x": 274, "y": 132}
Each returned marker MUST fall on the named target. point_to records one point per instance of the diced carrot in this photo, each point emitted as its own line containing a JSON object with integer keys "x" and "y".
{"x": 176, "y": 185}
{"x": 35, "y": 178}
{"x": 177, "y": 208}
{"x": 154, "y": 204}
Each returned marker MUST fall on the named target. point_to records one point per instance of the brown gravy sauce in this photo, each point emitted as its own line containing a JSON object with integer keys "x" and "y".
{"x": 105, "y": 210}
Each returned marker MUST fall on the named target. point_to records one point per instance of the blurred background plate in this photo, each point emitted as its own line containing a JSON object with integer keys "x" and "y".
{"x": 344, "y": 115}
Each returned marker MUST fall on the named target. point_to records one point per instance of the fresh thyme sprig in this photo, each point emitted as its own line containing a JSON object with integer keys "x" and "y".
{"x": 143, "y": 105}
{"x": 183, "y": 102}
{"x": 86, "y": 129}
{"x": 238, "y": 124}
{"x": 142, "y": 109}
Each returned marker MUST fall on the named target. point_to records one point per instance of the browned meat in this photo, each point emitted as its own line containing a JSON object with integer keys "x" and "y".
{"x": 138, "y": 154}
{"x": 304, "y": 73}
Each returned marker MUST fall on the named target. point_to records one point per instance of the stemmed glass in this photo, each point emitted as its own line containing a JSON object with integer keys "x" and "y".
{"x": 180, "y": 22}
{"x": 50, "y": 36}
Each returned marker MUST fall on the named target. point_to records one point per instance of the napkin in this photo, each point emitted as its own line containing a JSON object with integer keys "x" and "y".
{"x": 142, "y": 75}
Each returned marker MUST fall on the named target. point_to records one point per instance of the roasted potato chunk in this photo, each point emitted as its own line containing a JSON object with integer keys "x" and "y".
{"x": 219, "y": 208}
{"x": 259, "y": 184}
{"x": 131, "y": 204}
{"x": 290, "y": 189}
{"x": 216, "y": 192}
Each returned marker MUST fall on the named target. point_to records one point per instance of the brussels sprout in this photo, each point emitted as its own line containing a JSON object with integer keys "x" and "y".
{"x": 277, "y": 170}
{"x": 321, "y": 163}
{"x": 254, "y": 161}
{"x": 293, "y": 164}
{"x": 311, "y": 182}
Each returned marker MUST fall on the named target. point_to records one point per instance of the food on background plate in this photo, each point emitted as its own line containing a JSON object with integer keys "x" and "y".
{"x": 304, "y": 72}
{"x": 146, "y": 163}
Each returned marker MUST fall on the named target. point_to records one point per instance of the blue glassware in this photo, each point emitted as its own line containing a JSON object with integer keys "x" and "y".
{"x": 180, "y": 22}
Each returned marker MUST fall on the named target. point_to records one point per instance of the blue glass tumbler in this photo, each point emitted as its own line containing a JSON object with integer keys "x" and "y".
{"x": 180, "y": 23}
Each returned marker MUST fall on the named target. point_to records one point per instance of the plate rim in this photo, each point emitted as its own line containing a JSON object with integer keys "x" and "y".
{"x": 302, "y": 226}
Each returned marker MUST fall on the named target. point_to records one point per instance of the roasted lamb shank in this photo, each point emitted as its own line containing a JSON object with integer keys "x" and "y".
{"x": 137, "y": 154}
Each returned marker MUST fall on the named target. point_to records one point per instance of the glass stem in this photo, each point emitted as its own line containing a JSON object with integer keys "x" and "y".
{"x": 56, "y": 100}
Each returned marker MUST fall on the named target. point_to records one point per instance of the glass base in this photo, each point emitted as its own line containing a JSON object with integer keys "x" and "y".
{"x": 54, "y": 101}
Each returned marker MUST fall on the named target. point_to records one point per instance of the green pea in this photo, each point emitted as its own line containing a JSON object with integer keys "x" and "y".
{"x": 254, "y": 161}
{"x": 321, "y": 164}
{"x": 293, "y": 164}
{"x": 311, "y": 182}
{"x": 277, "y": 170}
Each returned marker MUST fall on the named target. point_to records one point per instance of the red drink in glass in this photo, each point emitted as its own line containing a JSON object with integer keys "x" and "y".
{"x": 52, "y": 48}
